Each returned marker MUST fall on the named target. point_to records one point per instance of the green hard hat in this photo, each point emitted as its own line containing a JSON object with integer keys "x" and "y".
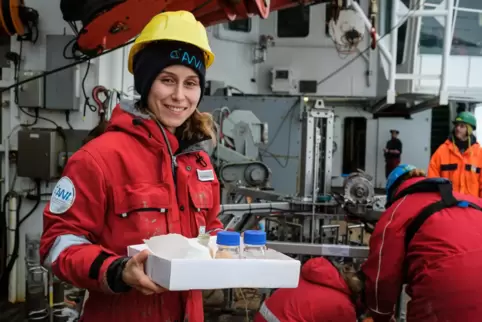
{"x": 467, "y": 118}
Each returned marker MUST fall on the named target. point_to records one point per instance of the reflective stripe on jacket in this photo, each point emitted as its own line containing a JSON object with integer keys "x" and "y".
{"x": 267, "y": 314}
{"x": 322, "y": 295}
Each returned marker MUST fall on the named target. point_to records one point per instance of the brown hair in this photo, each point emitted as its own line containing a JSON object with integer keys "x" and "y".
{"x": 351, "y": 278}
{"x": 95, "y": 132}
{"x": 198, "y": 126}
{"x": 415, "y": 173}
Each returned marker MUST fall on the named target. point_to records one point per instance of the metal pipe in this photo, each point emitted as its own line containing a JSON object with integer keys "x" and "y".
{"x": 385, "y": 52}
{"x": 424, "y": 13}
{"x": 416, "y": 50}
{"x": 394, "y": 50}
{"x": 417, "y": 77}
{"x": 315, "y": 171}
{"x": 256, "y": 207}
{"x": 12, "y": 225}
{"x": 447, "y": 46}
{"x": 319, "y": 249}
{"x": 460, "y": 9}
{"x": 6, "y": 165}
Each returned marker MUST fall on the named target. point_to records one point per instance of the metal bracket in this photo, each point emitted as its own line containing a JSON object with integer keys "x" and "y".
{"x": 316, "y": 142}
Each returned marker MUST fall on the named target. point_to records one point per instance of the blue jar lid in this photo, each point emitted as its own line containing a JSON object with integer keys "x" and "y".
{"x": 228, "y": 238}
{"x": 255, "y": 237}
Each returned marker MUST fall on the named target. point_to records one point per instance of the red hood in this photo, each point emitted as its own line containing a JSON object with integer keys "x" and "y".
{"x": 320, "y": 271}
{"x": 408, "y": 183}
{"x": 127, "y": 119}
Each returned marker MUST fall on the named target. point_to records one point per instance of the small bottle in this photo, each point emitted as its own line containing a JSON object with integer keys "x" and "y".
{"x": 228, "y": 245}
{"x": 203, "y": 238}
{"x": 254, "y": 244}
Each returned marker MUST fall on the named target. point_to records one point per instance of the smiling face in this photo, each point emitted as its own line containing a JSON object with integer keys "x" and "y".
{"x": 174, "y": 96}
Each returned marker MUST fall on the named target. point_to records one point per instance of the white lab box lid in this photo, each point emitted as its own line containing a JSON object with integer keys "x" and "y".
{"x": 277, "y": 271}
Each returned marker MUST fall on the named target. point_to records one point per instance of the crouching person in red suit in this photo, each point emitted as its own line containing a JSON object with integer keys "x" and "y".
{"x": 325, "y": 293}
{"x": 429, "y": 238}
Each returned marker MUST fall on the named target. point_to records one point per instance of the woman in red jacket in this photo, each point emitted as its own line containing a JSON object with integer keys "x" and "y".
{"x": 146, "y": 175}
{"x": 324, "y": 294}
{"x": 430, "y": 239}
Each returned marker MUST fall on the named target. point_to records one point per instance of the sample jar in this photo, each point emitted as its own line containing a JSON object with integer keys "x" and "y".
{"x": 228, "y": 243}
{"x": 254, "y": 244}
{"x": 203, "y": 238}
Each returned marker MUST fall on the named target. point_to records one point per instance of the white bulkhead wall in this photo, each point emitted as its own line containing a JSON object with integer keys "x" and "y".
{"x": 310, "y": 58}
{"x": 314, "y": 58}
{"x": 414, "y": 134}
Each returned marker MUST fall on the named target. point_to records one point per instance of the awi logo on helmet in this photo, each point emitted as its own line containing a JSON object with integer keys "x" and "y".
{"x": 186, "y": 58}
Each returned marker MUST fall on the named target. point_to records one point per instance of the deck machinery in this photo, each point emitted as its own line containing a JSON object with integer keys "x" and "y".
{"x": 303, "y": 224}
{"x": 317, "y": 221}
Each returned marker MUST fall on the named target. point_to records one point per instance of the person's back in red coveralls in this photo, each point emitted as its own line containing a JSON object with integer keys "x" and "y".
{"x": 444, "y": 260}
{"x": 321, "y": 296}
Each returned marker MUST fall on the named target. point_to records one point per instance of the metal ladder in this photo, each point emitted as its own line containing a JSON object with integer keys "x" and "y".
{"x": 398, "y": 19}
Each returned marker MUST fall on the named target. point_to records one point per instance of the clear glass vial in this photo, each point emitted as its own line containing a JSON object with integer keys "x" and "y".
{"x": 254, "y": 244}
{"x": 203, "y": 238}
{"x": 228, "y": 243}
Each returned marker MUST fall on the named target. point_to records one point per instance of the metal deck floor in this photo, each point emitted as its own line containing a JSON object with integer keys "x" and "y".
{"x": 12, "y": 312}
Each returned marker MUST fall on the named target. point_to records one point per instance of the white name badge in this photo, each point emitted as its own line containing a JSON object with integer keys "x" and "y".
{"x": 205, "y": 175}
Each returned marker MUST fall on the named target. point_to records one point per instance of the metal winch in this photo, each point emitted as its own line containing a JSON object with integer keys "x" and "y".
{"x": 358, "y": 192}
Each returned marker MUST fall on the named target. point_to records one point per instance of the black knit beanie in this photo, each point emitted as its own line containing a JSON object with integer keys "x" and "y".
{"x": 156, "y": 56}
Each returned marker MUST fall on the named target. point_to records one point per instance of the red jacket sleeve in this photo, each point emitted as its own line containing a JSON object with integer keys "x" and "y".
{"x": 73, "y": 221}
{"x": 384, "y": 266}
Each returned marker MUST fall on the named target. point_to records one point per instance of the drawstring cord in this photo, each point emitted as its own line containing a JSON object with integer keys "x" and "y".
{"x": 163, "y": 131}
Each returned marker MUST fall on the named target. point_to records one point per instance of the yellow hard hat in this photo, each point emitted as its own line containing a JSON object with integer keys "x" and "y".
{"x": 177, "y": 26}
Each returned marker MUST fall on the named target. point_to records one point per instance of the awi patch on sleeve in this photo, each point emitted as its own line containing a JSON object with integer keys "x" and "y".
{"x": 63, "y": 196}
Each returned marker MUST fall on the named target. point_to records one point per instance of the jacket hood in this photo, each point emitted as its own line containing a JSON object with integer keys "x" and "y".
{"x": 128, "y": 119}
{"x": 451, "y": 138}
{"x": 322, "y": 272}
{"x": 408, "y": 183}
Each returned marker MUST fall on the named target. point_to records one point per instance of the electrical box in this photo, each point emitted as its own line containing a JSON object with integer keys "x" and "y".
{"x": 308, "y": 86}
{"x": 42, "y": 153}
{"x": 282, "y": 81}
{"x": 38, "y": 153}
{"x": 59, "y": 86}
{"x": 31, "y": 94}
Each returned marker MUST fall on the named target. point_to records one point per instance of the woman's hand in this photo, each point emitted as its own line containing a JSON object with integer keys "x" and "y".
{"x": 134, "y": 276}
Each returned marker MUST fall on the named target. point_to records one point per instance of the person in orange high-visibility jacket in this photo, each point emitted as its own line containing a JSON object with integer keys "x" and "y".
{"x": 459, "y": 158}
